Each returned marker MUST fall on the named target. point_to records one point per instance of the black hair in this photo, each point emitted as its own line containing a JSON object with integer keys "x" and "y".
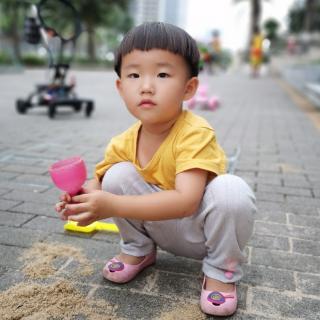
{"x": 159, "y": 35}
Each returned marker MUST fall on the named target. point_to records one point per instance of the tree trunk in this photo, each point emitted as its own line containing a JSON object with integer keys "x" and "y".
{"x": 15, "y": 33}
{"x": 255, "y": 16}
{"x": 91, "y": 48}
{"x": 309, "y": 15}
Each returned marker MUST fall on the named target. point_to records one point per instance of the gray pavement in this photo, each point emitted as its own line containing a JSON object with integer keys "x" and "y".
{"x": 280, "y": 149}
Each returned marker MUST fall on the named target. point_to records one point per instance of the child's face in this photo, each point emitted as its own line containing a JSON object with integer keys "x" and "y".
{"x": 153, "y": 85}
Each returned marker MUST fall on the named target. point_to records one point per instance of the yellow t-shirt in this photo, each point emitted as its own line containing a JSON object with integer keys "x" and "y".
{"x": 190, "y": 144}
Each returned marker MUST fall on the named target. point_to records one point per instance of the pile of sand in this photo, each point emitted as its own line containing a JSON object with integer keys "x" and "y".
{"x": 60, "y": 299}
{"x": 184, "y": 312}
{"x": 40, "y": 257}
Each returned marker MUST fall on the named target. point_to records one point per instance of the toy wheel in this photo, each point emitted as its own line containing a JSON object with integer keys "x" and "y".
{"x": 21, "y": 106}
{"x": 213, "y": 103}
{"x": 77, "y": 106}
{"x": 89, "y": 109}
{"x": 51, "y": 111}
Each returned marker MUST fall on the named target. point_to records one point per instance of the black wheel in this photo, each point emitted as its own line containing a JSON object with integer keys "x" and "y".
{"x": 89, "y": 109}
{"x": 77, "y": 106}
{"x": 21, "y": 106}
{"x": 51, "y": 111}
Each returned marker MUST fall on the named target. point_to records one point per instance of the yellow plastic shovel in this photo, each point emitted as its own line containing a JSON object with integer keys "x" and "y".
{"x": 95, "y": 226}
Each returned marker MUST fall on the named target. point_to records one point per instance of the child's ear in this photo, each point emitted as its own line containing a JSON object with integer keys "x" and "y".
{"x": 119, "y": 86}
{"x": 191, "y": 88}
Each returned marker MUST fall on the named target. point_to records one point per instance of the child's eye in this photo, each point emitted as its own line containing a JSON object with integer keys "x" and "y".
{"x": 133, "y": 75}
{"x": 163, "y": 75}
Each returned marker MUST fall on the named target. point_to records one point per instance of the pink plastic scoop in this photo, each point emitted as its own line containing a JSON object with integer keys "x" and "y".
{"x": 69, "y": 174}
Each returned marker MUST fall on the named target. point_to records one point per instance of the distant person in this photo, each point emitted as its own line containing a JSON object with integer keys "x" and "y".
{"x": 215, "y": 45}
{"x": 163, "y": 180}
{"x": 205, "y": 63}
{"x": 256, "y": 52}
{"x": 291, "y": 45}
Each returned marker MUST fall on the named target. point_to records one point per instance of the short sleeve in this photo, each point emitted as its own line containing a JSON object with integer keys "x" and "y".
{"x": 199, "y": 149}
{"x": 116, "y": 151}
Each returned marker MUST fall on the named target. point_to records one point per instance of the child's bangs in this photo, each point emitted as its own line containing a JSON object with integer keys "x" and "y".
{"x": 157, "y": 37}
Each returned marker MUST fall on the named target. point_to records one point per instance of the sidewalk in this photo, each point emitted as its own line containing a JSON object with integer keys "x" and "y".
{"x": 280, "y": 151}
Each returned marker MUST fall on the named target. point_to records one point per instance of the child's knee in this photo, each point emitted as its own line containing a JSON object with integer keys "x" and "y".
{"x": 118, "y": 176}
{"x": 233, "y": 197}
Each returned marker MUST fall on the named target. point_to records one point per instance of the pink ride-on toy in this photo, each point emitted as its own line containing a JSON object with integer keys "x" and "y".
{"x": 202, "y": 100}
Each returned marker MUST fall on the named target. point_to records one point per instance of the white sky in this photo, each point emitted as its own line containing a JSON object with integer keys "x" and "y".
{"x": 203, "y": 16}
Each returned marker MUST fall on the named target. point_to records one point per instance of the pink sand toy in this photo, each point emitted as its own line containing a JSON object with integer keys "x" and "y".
{"x": 69, "y": 174}
{"x": 202, "y": 99}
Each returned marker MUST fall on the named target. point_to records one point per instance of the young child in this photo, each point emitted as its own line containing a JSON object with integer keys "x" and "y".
{"x": 163, "y": 180}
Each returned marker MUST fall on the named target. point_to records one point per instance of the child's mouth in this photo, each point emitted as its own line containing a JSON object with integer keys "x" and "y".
{"x": 146, "y": 104}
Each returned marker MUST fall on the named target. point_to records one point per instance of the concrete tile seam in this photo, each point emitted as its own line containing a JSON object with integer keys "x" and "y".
{"x": 284, "y": 224}
{"x": 287, "y": 251}
{"x": 151, "y": 281}
{"x": 291, "y": 294}
{"x": 180, "y": 273}
{"x": 290, "y": 245}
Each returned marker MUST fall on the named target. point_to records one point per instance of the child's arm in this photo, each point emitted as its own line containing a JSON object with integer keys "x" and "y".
{"x": 171, "y": 204}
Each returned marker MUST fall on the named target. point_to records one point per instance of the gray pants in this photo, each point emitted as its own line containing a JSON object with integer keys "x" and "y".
{"x": 217, "y": 233}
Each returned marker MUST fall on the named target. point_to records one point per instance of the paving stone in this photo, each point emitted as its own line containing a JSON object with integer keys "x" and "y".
{"x": 306, "y": 221}
{"x": 34, "y": 179}
{"x": 272, "y": 216}
{"x": 306, "y": 247}
{"x": 266, "y": 276}
{"x": 95, "y": 250}
{"x": 278, "y": 304}
{"x": 36, "y": 209}
{"x": 287, "y": 230}
{"x": 269, "y": 242}
{"x": 8, "y": 204}
{"x": 169, "y": 262}
{"x": 285, "y": 260}
{"x": 285, "y": 190}
{"x": 132, "y": 305}
{"x": 9, "y": 256}
{"x": 19, "y": 236}
{"x": 267, "y": 196}
{"x": 302, "y": 208}
{"x": 46, "y": 224}
{"x": 11, "y": 278}
{"x": 308, "y": 283}
{"x": 4, "y": 191}
{"x": 30, "y": 197}
{"x": 14, "y": 185}
{"x": 13, "y": 219}
{"x": 7, "y": 175}
{"x": 20, "y": 168}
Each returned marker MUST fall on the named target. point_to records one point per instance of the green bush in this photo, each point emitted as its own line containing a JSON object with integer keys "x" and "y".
{"x": 86, "y": 62}
{"x": 33, "y": 60}
{"x": 5, "y": 59}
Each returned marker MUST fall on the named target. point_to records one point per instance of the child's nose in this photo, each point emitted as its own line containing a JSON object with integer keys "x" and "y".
{"x": 147, "y": 86}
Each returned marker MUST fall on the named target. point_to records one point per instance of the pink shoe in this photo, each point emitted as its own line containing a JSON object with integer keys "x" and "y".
{"x": 218, "y": 303}
{"x": 120, "y": 272}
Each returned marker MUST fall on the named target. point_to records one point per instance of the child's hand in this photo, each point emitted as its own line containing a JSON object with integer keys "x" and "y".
{"x": 60, "y": 206}
{"x": 86, "y": 208}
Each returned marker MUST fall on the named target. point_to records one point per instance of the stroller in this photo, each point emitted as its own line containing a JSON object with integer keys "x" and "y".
{"x": 38, "y": 28}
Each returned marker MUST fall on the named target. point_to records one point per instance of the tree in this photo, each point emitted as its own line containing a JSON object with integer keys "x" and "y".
{"x": 255, "y": 15}
{"x": 11, "y": 23}
{"x": 271, "y": 26}
{"x": 305, "y": 17}
{"x": 95, "y": 13}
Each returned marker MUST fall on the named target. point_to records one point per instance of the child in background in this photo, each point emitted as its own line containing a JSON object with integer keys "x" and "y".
{"x": 163, "y": 180}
